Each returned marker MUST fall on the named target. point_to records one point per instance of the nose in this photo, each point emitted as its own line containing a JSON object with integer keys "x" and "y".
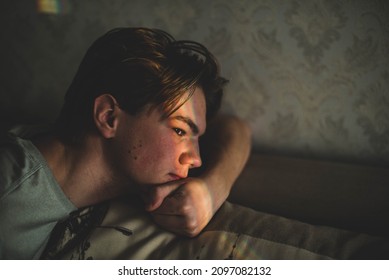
{"x": 191, "y": 156}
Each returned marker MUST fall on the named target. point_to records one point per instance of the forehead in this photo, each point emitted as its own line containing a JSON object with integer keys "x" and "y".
{"x": 193, "y": 110}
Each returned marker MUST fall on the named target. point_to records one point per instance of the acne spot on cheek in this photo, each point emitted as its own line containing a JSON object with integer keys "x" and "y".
{"x": 132, "y": 155}
{"x": 134, "y": 149}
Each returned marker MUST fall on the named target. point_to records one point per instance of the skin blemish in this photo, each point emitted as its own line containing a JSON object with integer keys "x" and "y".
{"x": 132, "y": 154}
{"x": 133, "y": 149}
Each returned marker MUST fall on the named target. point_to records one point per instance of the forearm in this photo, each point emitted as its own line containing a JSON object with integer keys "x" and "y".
{"x": 225, "y": 149}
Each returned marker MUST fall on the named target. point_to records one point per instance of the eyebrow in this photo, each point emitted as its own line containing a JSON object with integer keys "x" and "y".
{"x": 189, "y": 122}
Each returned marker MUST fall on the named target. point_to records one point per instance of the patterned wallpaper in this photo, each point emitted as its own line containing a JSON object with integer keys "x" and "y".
{"x": 310, "y": 76}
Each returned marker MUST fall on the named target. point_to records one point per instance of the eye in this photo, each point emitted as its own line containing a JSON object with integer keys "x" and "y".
{"x": 179, "y": 131}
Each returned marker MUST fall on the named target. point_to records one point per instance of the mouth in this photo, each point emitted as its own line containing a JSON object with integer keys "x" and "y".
{"x": 175, "y": 177}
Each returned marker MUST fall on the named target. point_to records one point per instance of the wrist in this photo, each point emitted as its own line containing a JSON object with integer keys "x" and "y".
{"x": 218, "y": 187}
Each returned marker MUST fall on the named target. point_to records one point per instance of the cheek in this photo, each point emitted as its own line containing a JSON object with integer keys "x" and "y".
{"x": 153, "y": 152}
{"x": 135, "y": 150}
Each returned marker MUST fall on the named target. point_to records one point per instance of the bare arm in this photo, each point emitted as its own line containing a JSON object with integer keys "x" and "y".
{"x": 226, "y": 148}
{"x": 185, "y": 207}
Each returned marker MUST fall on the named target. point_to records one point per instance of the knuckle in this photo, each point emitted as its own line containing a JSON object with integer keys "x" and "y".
{"x": 186, "y": 209}
{"x": 191, "y": 228}
{"x": 192, "y": 233}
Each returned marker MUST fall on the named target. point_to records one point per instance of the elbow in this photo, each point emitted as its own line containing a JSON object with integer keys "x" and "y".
{"x": 246, "y": 129}
{"x": 246, "y": 133}
{"x": 237, "y": 129}
{"x": 241, "y": 126}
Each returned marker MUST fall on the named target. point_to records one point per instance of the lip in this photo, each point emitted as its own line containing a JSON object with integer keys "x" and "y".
{"x": 176, "y": 177}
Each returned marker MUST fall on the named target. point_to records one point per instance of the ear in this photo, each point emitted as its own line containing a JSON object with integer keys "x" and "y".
{"x": 105, "y": 113}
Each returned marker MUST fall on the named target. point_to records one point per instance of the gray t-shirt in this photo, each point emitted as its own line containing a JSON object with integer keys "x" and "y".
{"x": 31, "y": 201}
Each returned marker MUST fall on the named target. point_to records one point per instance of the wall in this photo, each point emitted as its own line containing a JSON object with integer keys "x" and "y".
{"x": 311, "y": 77}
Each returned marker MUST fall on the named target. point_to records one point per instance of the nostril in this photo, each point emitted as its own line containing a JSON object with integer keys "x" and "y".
{"x": 196, "y": 162}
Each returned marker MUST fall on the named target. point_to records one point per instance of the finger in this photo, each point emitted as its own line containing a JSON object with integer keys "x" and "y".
{"x": 157, "y": 194}
{"x": 174, "y": 204}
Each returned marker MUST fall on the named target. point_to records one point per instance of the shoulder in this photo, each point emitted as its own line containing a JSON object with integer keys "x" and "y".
{"x": 17, "y": 161}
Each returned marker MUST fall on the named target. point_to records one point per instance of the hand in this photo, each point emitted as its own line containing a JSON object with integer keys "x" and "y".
{"x": 184, "y": 207}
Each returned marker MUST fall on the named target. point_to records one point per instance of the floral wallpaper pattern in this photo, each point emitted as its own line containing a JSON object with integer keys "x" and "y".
{"x": 310, "y": 76}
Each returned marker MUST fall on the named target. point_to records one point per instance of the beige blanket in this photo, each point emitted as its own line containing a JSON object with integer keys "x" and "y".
{"x": 235, "y": 232}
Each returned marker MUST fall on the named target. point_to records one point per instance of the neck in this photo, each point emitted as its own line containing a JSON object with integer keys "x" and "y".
{"x": 81, "y": 171}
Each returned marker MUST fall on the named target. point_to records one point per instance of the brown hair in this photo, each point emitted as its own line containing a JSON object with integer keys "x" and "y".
{"x": 139, "y": 66}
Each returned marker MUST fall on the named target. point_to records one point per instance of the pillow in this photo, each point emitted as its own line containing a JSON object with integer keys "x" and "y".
{"x": 235, "y": 232}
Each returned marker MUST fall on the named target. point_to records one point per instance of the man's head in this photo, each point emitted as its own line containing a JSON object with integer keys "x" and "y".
{"x": 139, "y": 67}
{"x": 149, "y": 148}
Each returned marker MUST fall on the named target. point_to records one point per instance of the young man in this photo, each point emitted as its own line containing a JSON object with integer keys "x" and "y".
{"x": 131, "y": 123}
